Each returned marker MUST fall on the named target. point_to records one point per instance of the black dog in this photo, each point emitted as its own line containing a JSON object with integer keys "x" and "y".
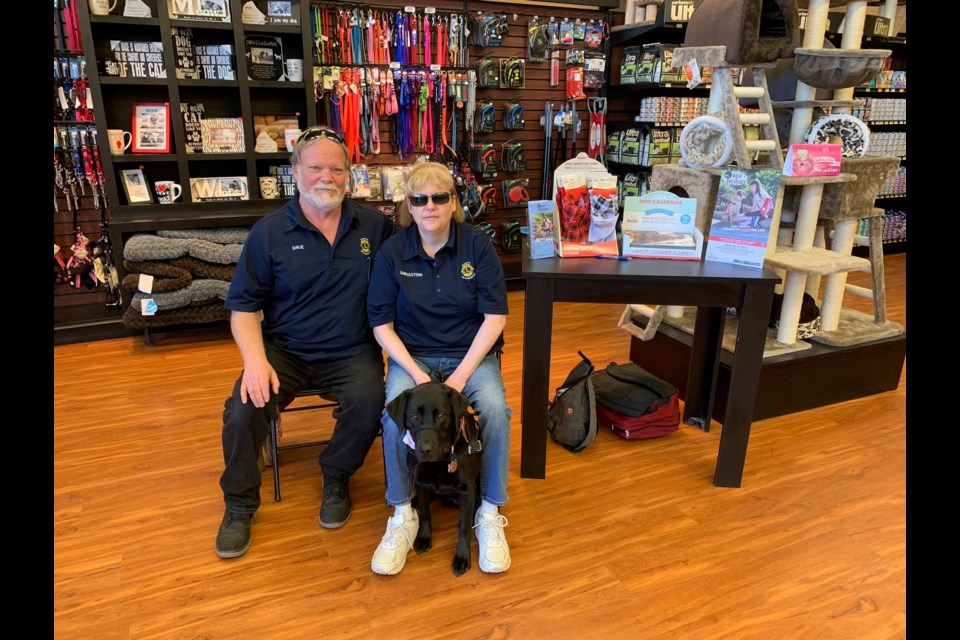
{"x": 444, "y": 460}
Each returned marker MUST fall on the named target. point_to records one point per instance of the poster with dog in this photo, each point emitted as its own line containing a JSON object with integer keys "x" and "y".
{"x": 742, "y": 216}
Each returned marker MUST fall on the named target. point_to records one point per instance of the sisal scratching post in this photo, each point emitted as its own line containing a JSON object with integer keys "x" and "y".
{"x": 816, "y": 28}
{"x": 813, "y": 282}
{"x": 836, "y": 282}
{"x": 790, "y": 312}
{"x": 876, "y": 270}
{"x": 852, "y": 34}
{"x": 889, "y": 11}
{"x": 674, "y": 311}
{"x": 795, "y": 283}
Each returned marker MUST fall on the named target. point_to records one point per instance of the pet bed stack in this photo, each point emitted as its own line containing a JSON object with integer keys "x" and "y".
{"x": 192, "y": 270}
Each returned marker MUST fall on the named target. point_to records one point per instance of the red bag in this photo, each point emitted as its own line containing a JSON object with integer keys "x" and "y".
{"x": 661, "y": 420}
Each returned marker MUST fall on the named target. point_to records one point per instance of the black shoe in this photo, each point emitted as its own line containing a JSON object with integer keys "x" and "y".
{"x": 335, "y": 509}
{"x": 233, "y": 539}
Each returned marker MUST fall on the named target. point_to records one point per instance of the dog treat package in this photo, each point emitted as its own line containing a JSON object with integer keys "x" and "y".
{"x": 393, "y": 184}
{"x": 584, "y": 225}
{"x": 614, "y": 142}
{"x": 359, "y": 181}
{"x": 603, "y": 208}
{"x": 630, "y": 147}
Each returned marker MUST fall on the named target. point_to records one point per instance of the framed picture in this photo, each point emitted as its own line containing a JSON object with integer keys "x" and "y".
{"x": 222, "y": 135}
{"x": 135, "y": 186}
{"x": 216, "y": 189}
{"x": 151, "y": 128}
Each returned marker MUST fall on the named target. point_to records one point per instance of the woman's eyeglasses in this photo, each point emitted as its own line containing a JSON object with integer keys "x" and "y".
{"x": 420, "y": 199}
{"x": 320, "y": 132}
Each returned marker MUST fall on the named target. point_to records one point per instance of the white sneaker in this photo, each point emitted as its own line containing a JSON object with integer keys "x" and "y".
{"x": 391, "y": 555}
{"x": 494, "y": 552}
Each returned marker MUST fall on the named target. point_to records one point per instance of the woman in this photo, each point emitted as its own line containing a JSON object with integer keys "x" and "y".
{"x": 762, "y": 209}
{"x": 438, "y": 302}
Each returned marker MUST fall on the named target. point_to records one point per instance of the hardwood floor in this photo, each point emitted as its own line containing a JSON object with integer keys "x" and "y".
{"x": 624, "y": 540}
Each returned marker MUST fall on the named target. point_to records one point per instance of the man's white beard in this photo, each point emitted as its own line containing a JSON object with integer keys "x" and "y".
{"x": 323, "y": 200}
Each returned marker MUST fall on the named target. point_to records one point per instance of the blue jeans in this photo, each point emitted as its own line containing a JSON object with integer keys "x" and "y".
{"x": 488, "y": 398}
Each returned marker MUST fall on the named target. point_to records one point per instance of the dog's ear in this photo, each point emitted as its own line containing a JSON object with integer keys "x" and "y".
{"x": 397, "y": 409}
{"x": 458, "y": 402}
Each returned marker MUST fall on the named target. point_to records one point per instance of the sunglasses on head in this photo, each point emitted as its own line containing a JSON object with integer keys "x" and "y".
{"x": 320, "y": 132}
{"x": 420, "y": 199}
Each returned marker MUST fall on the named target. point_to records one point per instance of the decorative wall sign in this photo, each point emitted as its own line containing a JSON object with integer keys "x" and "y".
{"x": 215, "y": 189}
{"x": 151, "y": 128}
{"x": 135, "y": 60}
{"x": 222, "y": 135}
{"x": 266, "y": 57}
{"x": 192, "y": 115}
{"x": 215, "y": 62}
{"x": 183, "y": 52}
{"x": 205, "y": 10}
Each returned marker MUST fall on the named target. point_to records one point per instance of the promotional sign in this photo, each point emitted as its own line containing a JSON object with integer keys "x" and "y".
{"x": 661, "y": 225}
{"x": 808, "y": 160}
{"x": 743, "y": 215}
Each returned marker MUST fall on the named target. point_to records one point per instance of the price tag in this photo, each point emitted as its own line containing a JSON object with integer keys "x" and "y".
{"x": 63, "y": 98}
{"x": 434, "y": 67}
{"x": 324, "y": 38}
{"x": 148, "y": 307}
{"x": 145, "y": 283}
{"x": 394, "y": 65}
{"x": 430, "y": 10}
{"x": 410, "y": 9}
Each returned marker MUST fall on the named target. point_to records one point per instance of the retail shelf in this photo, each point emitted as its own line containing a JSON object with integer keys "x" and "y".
{"x": 875, "y": 90}
{"x": 201, "y": 82}
{"x": 216, "y": 156}
{"x": 275, "y": 84}
{"x": 75, "y": 123}
{"x": 133, "y": 81}
{"x": 664, "y": 88}
{"x": 889, "y": 248}
{"x": 150, "y": 22}
{"x": 202, "y": 24}
{"x": 891, "y": 196}
{"x": 886, "y": 123}
{"x": 137, "y": 158}
{"x": 651, "y": 31}
{"x": 272, "y": 28}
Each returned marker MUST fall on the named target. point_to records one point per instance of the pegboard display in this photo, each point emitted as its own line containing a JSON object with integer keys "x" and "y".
{"x": 514, "y": 95}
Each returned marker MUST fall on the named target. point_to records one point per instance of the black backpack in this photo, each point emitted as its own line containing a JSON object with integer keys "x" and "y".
{"x": 572, "y": 416}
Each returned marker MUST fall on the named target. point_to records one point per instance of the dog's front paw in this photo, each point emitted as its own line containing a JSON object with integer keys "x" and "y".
{"x": 422, "y": 544}
{"x": 460, "y": 565}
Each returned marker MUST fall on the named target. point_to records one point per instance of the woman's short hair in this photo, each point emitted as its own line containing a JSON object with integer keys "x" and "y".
{"x": 424, "y": 173}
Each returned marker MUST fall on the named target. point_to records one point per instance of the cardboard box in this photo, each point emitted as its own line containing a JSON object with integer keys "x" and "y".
{"x": 813, "y": 160}
{"x": 574, "y": 223}
{"x": 661, "y": 225}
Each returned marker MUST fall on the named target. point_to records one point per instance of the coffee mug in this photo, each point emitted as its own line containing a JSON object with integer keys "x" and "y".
{"x": 294, "y": 69}
{"x": 268, "y": 188}
{"x": 167, "y": 191}
{"x": 120, "y": 140}
{"x": 101, "y": 7}
{"x": 290, "y": 138}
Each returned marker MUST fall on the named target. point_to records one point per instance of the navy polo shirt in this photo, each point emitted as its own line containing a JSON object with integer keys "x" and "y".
{"x": 313, "y": 296}
{"x": 437, "y": 304}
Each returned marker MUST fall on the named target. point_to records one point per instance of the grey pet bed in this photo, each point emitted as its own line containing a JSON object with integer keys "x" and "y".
{"x": 144, "y": 246}
{"x": 195, "y": 315}
{"x": 222, "y": 235}
{"x": 197, "y": 290}
{"x": 838, "y": 68}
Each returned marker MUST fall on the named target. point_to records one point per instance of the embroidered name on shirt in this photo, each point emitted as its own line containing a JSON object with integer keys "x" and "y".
{"x": 411, "y": 275}
{"x": 297, "y": 247}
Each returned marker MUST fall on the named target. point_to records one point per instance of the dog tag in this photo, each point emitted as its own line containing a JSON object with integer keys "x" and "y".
{"x": 452, "y": 466}
{"x": 408, "y": 440}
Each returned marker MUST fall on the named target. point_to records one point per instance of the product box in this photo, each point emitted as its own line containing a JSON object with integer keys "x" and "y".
{"x": 648, "y": 68}
{"x": 661, "y": 225}
{"x": 813, "y": 160}
{"x": 586, "y": 209}
{"x": 540, "y": 216}
{"x": 742, "y": 216}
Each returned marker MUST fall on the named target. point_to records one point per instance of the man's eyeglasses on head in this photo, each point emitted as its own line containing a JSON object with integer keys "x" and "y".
{"x": 420, "y": 199}
{"x": 320, "y": 132}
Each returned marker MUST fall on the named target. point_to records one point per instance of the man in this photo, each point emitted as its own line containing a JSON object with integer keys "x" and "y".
{"x": 306, "y": 268}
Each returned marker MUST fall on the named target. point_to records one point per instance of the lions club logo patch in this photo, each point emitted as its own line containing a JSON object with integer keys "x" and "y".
{"x": 364, "y": 246}
{"x": 466, "y": 271}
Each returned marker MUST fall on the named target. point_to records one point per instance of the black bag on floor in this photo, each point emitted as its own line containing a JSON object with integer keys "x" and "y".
{"x": 572, "y": 416}
{"x": 631, "y": 390}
